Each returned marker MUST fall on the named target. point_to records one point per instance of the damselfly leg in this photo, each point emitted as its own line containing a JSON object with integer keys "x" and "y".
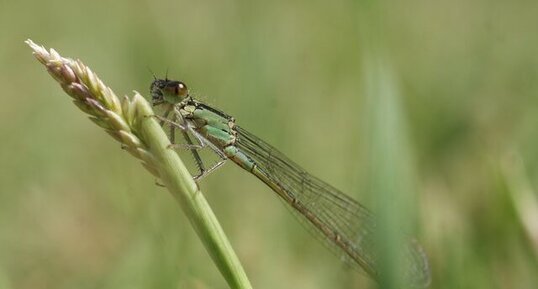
{"x": 192, "y": 147}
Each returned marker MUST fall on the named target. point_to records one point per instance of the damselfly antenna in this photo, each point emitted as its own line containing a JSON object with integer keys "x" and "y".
{"x": 152, "y": 73}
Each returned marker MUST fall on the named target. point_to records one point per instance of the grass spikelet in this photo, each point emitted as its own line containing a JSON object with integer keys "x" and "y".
{"x": 129, "y": 121}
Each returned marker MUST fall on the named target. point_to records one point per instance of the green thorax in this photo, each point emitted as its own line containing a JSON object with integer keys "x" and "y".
{"x": 212, "y": 124}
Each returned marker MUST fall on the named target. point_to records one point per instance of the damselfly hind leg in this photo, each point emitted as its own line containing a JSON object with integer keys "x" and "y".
{"x": 210, "y": 170}
{"x": 205, "y": 143}
{"x": 192, "y": 147}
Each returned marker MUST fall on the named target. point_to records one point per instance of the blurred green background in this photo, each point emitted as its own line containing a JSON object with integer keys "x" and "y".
{"x": 437, "y": 98}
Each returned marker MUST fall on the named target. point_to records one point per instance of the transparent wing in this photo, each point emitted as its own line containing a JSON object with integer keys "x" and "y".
{"x": 344, "y": 226}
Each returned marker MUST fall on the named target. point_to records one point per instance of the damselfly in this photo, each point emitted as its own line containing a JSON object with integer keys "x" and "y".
{"x": 343, "y": 224}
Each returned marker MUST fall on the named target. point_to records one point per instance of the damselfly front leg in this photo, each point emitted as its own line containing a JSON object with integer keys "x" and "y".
{"x": 164, "y": 116}
{"x": 163, "y": 120}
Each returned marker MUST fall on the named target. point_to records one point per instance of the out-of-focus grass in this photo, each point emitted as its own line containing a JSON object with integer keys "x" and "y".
{"x": 75, "y": 212}
{"x": 390, "y": 176}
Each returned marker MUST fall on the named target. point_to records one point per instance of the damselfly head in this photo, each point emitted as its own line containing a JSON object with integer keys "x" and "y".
{"x": 168, "y": 91}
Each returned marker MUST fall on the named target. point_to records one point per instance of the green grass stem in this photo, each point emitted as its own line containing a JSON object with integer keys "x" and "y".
{"x": 129, "y": 121}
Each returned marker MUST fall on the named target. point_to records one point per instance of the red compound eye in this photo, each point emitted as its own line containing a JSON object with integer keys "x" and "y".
{"x": 181, "y": 90}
